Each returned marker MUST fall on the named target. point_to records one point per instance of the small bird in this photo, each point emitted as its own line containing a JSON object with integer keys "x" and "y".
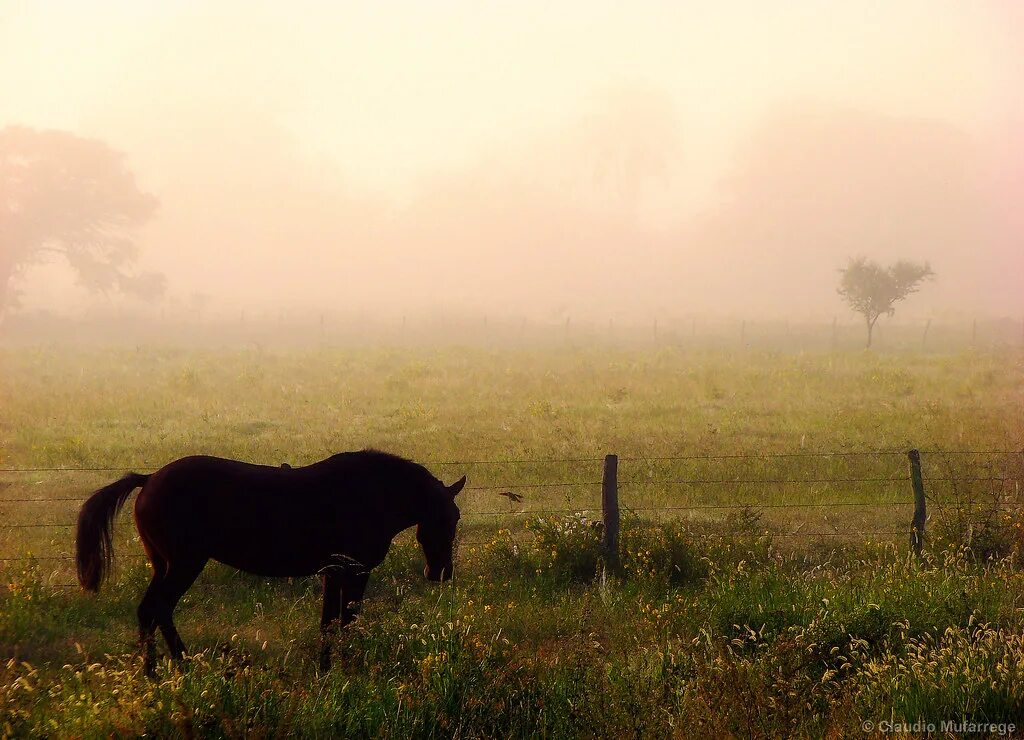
{"x": 512, "y": 496}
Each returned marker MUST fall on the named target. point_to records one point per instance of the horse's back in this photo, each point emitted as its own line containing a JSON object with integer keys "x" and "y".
{"x": 280, "y": 521}
{"x": 264, "y": 519}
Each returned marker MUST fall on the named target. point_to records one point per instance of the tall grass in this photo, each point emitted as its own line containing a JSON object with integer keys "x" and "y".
{"x": 716, "y": 624}
{"x": 744, "y": 647}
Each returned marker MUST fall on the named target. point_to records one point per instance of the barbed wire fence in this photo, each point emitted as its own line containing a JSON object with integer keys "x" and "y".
{"x": 917, "y": 489}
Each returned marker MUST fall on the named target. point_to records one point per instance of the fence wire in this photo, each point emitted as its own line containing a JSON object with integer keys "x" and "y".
{"x": 596, "y": 458}
{"x": 634, "y": 482}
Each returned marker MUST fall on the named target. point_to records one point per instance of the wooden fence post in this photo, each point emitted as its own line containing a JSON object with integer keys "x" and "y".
{"x": 610, "y": 511}
{"x": 920, "y": 511}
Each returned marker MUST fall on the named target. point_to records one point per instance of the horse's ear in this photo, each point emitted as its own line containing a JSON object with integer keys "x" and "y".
{"x": 455, "y": 487}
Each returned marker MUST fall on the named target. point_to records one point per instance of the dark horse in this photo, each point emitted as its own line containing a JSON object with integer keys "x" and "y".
{"x": 336, "y": 517}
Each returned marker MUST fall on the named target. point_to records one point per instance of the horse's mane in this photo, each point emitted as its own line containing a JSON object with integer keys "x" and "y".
{"x": 372, "y": 453}
{"x": 371, "y": 461}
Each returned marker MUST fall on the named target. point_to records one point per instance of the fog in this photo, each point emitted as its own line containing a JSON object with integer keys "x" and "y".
{"x": 599, "y": 160}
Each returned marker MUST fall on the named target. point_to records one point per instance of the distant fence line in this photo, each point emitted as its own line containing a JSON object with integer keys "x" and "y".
{"x": 611, "y": 505}
{"x": 545, "y": 460}
{"x": 326, "y": 329}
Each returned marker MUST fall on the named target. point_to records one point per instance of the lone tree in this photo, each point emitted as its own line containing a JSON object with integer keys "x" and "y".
{"x": 872, "y": 290}
{"x": 63, "y": 196}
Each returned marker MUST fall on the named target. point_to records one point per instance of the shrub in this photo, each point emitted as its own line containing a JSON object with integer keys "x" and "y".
{"x": 569, "y": 547}
{"x": 981, "y": 530}
{"x": 667, "y": 552}
{"x": 971, "y": 519}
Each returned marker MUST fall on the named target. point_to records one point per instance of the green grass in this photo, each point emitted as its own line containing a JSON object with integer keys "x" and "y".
{"x": 721, "y": 622}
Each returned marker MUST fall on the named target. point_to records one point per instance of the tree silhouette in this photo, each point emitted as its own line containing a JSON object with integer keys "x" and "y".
{"x": 812, "y": 183}
{"x": 872, "y": 290}
{"x": 63, "y": 196}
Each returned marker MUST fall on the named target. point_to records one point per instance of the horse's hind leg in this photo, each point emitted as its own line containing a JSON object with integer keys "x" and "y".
{"x": 180, "y": 577}
{"x": 148, "y": 614}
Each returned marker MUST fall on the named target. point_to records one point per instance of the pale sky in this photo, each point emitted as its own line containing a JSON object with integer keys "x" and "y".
{"x": 288, "y": 140}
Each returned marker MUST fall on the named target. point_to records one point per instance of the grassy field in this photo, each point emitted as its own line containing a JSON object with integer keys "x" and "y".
{"x": 753, "y": 621}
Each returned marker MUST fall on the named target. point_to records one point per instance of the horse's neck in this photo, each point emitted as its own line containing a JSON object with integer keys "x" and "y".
{"x": 400, "y": 524}
{"x": 405, "y": 512}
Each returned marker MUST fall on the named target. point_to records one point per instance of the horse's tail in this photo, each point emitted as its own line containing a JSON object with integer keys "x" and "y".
{"x": 94, "y": 547}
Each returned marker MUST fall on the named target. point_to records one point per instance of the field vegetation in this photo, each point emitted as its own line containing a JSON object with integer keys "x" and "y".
{"x": 752, "y": 618}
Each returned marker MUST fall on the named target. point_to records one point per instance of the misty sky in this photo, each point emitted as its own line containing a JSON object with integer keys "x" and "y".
{"x": 600, "y": 159}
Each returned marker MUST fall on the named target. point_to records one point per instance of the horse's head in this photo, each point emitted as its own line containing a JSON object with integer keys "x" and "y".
{"x": 436, "y": 533}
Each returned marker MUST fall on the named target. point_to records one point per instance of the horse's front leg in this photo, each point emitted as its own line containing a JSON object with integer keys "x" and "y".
{"x": 353, "y": 586}
{"x": 329, "y": 615}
